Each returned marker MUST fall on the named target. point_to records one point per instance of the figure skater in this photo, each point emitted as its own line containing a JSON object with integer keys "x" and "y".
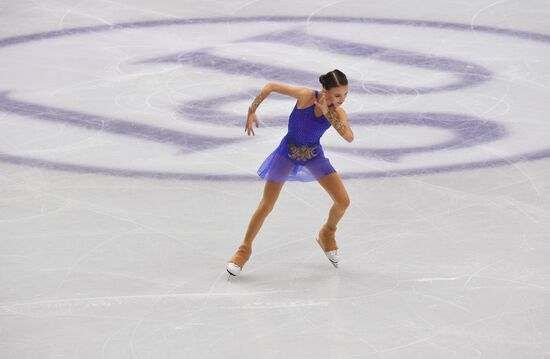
{"x": 300, "y": 157}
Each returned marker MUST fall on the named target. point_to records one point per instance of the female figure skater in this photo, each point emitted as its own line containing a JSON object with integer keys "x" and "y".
{"x": 300, "y": 157}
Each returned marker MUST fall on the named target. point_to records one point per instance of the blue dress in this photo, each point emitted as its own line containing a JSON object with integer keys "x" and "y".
{"x": 299, "y": 156}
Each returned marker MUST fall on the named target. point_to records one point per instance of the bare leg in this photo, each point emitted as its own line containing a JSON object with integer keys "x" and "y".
{"x": 335, "y": 188}
{"x": 272, "y": 189}
{"x": 271, "y": 193}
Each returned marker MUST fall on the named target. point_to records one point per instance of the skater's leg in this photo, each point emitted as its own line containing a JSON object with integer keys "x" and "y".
{"x": 271, "y": 193}
{"x": 272, "y": 189}
{"x": 335, "y": 188}
{"x": 279, "y": 170}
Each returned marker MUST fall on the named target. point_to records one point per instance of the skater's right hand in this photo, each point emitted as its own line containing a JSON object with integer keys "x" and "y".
{"x": 251, "y": 119}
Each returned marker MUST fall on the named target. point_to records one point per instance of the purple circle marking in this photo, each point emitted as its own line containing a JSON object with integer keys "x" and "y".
{"x": 471, "y": 74}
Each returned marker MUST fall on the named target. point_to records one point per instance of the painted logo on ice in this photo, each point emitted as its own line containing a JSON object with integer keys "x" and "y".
{"x": 119, "y": 100}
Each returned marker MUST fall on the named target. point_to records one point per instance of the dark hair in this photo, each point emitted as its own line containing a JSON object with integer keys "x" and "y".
{"x": 332, "y": 79}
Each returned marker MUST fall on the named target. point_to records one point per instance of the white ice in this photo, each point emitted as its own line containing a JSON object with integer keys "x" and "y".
{"x": 435, "y": 264}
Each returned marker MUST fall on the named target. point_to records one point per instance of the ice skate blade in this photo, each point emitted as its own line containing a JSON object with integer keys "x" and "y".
{"x": 334, "y": 263}
{"x": 233, "y": 269}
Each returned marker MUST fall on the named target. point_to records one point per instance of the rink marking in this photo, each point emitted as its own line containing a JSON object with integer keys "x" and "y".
{"x": 299, "y": 36}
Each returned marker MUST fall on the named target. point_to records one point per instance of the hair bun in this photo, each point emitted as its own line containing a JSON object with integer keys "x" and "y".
{"x": 332, "y": 79}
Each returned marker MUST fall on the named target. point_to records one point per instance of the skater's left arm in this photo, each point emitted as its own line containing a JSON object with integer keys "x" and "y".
{"x": 339, "y": 120}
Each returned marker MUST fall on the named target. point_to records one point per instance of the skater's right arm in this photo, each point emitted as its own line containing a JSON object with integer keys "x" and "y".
{"x": 300, "y": 93}
{"x": 251, "y": 117}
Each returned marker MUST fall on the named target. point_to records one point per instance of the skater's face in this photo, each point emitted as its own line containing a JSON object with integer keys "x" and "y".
{"x": 336, "y": 95}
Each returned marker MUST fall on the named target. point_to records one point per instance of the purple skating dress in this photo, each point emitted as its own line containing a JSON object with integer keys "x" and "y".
{"x": 299, "y": 156}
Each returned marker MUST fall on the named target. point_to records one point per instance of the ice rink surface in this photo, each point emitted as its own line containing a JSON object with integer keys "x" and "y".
{"x": 127, "y": 181}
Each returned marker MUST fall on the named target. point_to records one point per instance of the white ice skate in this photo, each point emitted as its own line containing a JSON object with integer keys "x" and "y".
{"x": 233, "y": 269}
{"x": 331, "y": 255}
{"x": 237, "y": 262}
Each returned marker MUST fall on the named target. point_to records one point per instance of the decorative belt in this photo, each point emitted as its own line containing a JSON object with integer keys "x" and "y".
{"x": 301, "y": 153}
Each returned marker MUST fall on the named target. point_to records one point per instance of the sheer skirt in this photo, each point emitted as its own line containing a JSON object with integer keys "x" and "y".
{"x": 295, "y": 162}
